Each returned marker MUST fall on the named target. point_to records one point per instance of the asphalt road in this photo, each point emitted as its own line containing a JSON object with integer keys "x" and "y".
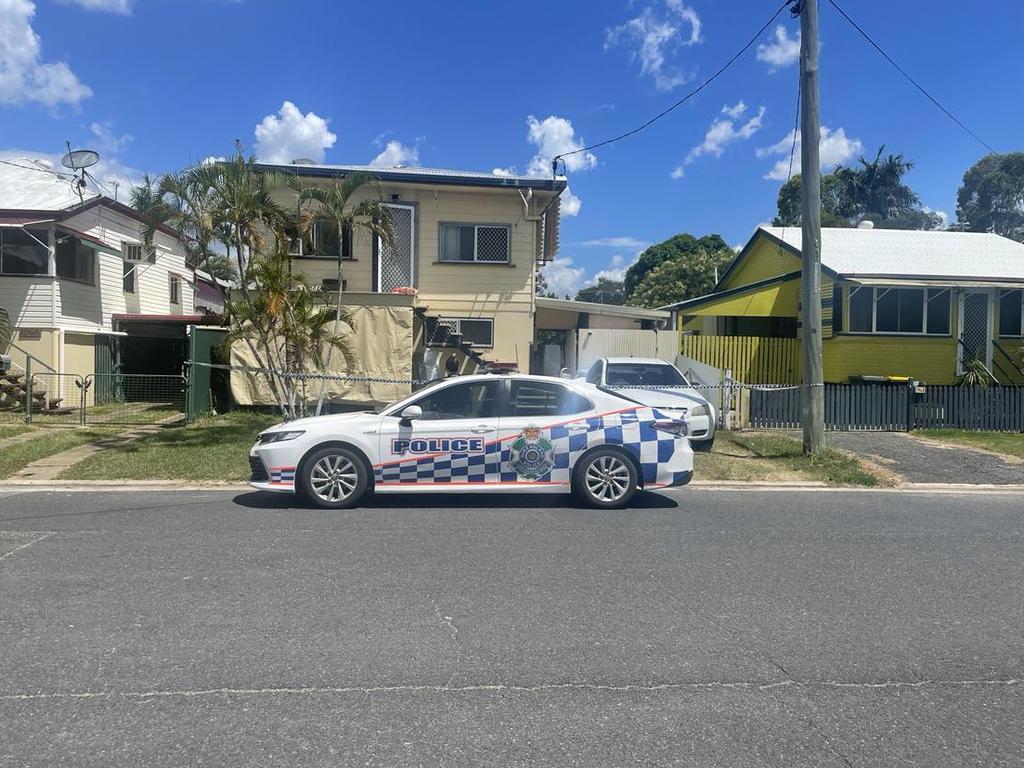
{"x": 704, "y": 628}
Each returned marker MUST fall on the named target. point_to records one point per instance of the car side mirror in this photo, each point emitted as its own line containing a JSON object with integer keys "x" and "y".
{"x": 411, "y": 412}
{"x": 565, "y": 374}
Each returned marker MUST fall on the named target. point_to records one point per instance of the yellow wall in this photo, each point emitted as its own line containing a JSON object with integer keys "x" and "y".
{"x": 45, "y": 348}
{"x": 503, "y": 292}
{"x": 932, "y": 360}
{"x": 763, "y": 260}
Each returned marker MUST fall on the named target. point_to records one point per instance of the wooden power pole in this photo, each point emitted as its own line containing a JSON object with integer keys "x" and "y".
{"x": 812, "y": 399}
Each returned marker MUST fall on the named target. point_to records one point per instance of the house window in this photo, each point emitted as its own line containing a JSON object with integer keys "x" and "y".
{"x": 476, "y": 243}
{"x": 75, "y": 260}
{"x": 908, "y": 311}
{"x": 1011, "y": 312}
{"x": 837, "y": 308}
{"x": 174, "y": 283}
{"x": 128, "y": 277}
{"x": 478, "y": 332}
{"x": 322, "y": 242}
{"x": 23, "y": 251}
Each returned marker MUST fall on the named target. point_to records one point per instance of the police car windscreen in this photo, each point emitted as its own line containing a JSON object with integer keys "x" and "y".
{"x": 644, "y": 375}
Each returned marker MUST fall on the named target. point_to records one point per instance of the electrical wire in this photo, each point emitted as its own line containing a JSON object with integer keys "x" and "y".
{"x": 37, "y": 168}
{"x": 912, "y": 81}
{"x": 684, "y": 99}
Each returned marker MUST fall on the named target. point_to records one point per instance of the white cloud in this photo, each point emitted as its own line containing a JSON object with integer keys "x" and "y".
{"x": 563, "y": 278}
{"x": 722, "y": 133}
{"x": 835, "y": 147}
{"x": 211, "y": 159}
{"x": 506, "y": 172}
{"x": 23, "y": 75}
{"x": 290, "y": 135}
{"x": 943, "y": 216}
{"x": 618, "y": 242}
{"x": 121, "y": 7}
{"x": 108, "y": 142}
{"x": 570, "y": 205}
{"x": 616, "y": 269}
{"x": 397, "y": 153}
{"x": 555, "y": 136}
{"x": 655, "y": 37}
{"x": 782, "y": 52}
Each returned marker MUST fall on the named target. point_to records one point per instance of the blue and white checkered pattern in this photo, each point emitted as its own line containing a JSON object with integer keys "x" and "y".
{"x": 631, "y": 429}
{"x": 282, "y": 475}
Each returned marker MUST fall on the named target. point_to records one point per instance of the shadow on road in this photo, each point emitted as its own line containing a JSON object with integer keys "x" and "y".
{"x": 266, "y": 500}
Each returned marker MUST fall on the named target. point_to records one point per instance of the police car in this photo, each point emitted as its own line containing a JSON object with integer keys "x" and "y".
{"x": 480, "y": 433}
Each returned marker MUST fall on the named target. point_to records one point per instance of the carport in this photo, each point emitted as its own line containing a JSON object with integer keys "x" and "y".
{"x": 153, "y": 344}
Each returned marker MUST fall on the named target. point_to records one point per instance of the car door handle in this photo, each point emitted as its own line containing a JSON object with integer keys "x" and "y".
{"x": 481, "y": 430}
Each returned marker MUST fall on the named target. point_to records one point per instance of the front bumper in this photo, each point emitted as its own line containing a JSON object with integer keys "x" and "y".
{"x": 272, "y": 467}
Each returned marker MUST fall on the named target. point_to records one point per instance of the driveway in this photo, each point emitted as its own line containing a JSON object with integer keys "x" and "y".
{"x": 920, "y": 461}
{"x": 701, "y": 628}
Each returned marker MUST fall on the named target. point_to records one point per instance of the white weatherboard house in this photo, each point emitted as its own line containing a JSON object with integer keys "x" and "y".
{"x": 82, "y": 290}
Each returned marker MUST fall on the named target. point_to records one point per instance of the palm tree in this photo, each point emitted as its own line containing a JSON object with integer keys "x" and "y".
{"x": 147, "y": 198}
{"x": 335, "y": 204}
{"x": 877, "y": 188}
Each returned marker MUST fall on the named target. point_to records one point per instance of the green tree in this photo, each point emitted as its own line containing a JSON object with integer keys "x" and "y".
{"x": 872, "y": 190}
{"x": 686, "y": 277}
{"x": 991, "y": 198}
{"x": 604, "y": 291}
{"x": 339, "y": 205}
{"x": 669, "y": 250}
{"x": 220, "y": 265}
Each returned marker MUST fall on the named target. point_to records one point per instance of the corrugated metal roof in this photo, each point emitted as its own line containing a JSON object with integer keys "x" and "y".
{"x": 28, "y": 185}
{"x": 421, "y": 175}
{"x": 914, "y": 253}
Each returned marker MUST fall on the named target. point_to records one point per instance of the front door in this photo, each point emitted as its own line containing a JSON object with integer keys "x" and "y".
{"x": 975, "y": 328}
{"x": 455, "y": 442}
{"x": 396, "y": 263}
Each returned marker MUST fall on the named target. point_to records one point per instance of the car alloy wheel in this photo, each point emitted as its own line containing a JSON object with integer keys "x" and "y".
{"x": 334, "y": 477}
{"x": 606, "y": 478}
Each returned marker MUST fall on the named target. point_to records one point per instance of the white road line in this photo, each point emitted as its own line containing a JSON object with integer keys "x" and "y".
{"x": 25, "y": 546}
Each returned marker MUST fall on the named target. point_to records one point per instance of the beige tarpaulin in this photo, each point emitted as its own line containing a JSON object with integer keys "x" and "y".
{"x": 383, "y": 344}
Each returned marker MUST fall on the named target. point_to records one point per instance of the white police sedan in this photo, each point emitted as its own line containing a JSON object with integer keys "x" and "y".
{"x": 480, "y": 433}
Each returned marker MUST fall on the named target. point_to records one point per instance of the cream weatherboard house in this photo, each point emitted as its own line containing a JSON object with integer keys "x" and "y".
{"x": 80, "y": 287}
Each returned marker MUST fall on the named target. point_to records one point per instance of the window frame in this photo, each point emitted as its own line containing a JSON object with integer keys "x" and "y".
{"x": 173, "y": 280}
{"x": 926, "y": 298}
{"x": 129, "y": 269}
{"x": 147, "y": 254}
{"x": 477, "y": 226}
{"x": 999, "y": 329}
{"x": 78, "y": 243}
{"x": 458, "y": 321}
{"x": 44, "y": 243}
{"x": 509, "y": 412}
{"x": 501, "y": 396}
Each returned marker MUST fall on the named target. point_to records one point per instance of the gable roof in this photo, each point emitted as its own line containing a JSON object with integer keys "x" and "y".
{"x": 415, "y": 174}
{"x": 904, "y": 253}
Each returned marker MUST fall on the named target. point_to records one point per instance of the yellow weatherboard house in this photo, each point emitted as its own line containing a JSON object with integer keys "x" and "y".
{"x": 895, "y": 304}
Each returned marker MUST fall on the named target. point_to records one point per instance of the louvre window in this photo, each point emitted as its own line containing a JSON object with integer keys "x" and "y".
{"x": 475, "y": 243}
{"x": 175, "y": 289}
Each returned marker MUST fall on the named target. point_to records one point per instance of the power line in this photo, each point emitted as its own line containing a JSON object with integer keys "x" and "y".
{"x": 687, "y": 97}
{"x": 913, "y": 82}
{"x": 36, "y": 168}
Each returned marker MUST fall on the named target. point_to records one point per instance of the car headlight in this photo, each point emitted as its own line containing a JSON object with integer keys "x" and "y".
{"x": 277, "y": 437}
{"x": 699, "y": 410}
{"x": 675, "y": 427}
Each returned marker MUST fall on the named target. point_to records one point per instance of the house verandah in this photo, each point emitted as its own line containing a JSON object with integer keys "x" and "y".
{"x": 896, "y": 305}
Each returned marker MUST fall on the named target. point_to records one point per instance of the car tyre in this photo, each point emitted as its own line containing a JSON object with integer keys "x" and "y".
{"x": 334, "y": 478}
{"x": 605, "y": 478}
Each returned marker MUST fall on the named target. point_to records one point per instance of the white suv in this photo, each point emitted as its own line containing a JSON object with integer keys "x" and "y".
{"x": 660, "y": 385}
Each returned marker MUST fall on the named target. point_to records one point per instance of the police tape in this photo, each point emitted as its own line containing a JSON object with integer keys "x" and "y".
{"x": 729, "y": 384}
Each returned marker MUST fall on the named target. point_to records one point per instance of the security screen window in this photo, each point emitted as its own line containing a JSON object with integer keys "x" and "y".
{"x": 23, "y": 251}
{"x": 481, "y": 243}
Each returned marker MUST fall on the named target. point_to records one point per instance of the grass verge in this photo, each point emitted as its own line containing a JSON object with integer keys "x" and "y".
{"x": 1007, "y": 443}
{"x": 754, "y": 456}
{"x": 48, "y": 442}
{"x": 215, "y": 448}
{"x": 10, "y": 430}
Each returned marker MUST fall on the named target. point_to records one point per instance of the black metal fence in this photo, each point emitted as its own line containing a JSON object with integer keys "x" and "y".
{"x": 896, "y": 408}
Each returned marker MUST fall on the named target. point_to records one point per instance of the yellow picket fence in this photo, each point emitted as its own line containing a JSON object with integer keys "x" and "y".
{"x": 752, "y": 359}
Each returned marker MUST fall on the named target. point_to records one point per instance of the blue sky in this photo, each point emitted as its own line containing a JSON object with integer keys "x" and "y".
{"x": 155, "y": 85}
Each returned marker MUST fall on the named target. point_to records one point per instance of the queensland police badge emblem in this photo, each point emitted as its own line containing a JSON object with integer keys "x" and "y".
{"x": 531, "y": 454}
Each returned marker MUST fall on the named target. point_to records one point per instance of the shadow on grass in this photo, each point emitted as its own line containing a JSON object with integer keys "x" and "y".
{"x": 288, "y": 501}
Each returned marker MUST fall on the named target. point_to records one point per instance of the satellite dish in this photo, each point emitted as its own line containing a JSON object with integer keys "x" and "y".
{"x": 78, "y": 159}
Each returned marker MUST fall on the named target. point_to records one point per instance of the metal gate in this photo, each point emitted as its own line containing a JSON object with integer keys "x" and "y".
{"x": 134, "y": 398}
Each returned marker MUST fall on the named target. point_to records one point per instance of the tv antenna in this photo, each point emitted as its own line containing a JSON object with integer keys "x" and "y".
{"x": 78, "y": 160}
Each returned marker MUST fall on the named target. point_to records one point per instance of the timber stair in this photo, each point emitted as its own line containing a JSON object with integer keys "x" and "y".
{"x": 14, "y": 393}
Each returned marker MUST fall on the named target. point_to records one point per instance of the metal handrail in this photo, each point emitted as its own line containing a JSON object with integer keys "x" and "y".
{"x": 32, "y": 357}
{"x": 1008, "y": 356}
